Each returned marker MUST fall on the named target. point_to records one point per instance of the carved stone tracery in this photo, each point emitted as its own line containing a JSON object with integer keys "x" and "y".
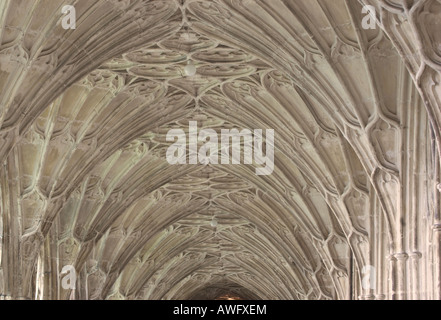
{"x": 84, "y": 179}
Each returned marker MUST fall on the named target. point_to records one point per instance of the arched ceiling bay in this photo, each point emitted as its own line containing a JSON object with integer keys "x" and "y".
{"x": 84, "y": 118}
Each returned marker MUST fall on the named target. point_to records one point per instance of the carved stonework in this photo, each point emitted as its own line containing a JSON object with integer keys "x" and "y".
{"x": 85, "y": 182}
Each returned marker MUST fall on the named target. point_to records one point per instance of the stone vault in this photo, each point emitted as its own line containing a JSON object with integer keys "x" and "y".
{"x": 351, "y": 210}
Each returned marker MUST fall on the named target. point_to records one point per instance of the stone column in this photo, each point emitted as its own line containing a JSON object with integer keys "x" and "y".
{"x": 415, "y": 258}
{"x": 401, "y": 266}
{"x": 392, "y": 278}
{"x": 437, "y": 261}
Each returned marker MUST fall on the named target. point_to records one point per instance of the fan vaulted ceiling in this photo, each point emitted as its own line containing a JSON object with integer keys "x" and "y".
{"x": 84, "y": 116}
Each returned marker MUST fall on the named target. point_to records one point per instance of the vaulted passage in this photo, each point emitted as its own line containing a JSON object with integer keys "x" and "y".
{"x": 348, "y": 207}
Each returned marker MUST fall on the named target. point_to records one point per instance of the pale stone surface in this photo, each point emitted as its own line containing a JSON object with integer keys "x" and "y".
{"x": 84, "y": 179}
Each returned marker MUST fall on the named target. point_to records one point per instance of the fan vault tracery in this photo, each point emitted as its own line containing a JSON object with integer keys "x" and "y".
{"x": 85, "y": 181}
